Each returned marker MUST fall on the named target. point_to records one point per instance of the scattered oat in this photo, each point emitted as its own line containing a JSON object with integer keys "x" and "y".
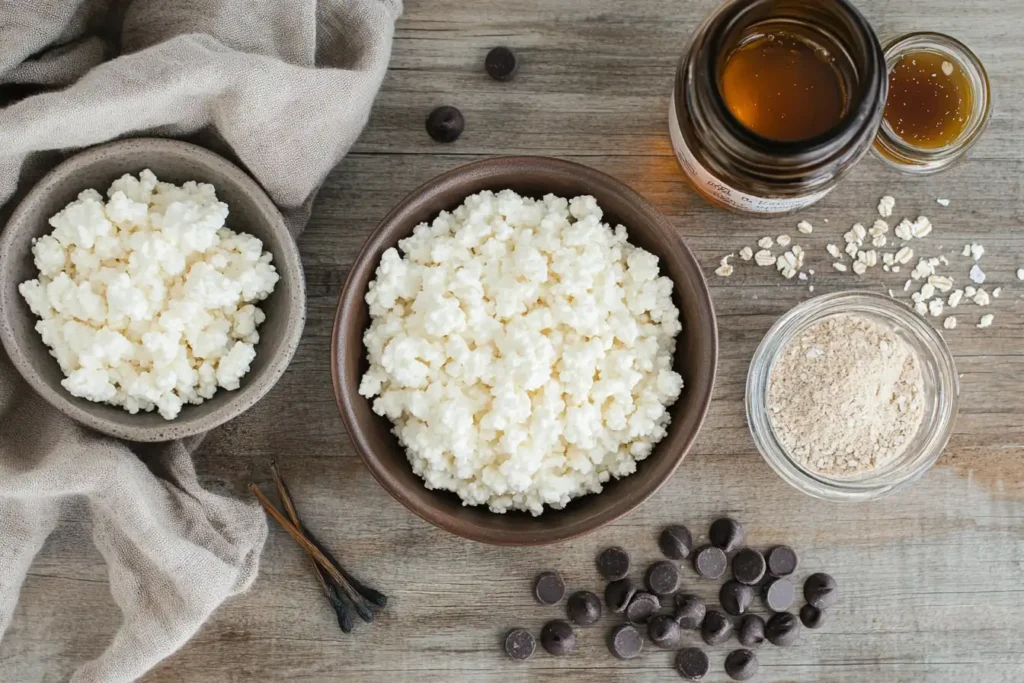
{"x": 942, "y": 202}
{"x": 947, "y": 68}
{"x": 1020, "y": 273}
{"x": 891, "y": 295}
{"x": 935, "y": 307}
{"x": 746, "y": 253}
{"x": 904, "y": 255}
{"x": 765, "y": 242}
{"x": 805, "y": 227}
{"x": 906, "y": 285}
{"x": 921, "y": 307}
{"x": 921, "y": 228}
{"x": 841, "y": 267}
{"x": 981, "y": 297}
{"x": 834, "y": 252}
{"x": 903, "y": 230}
{"x": 860, "y": 267}
{"x": 859, "y": 232}
{"x": 966, "y": 251}
{"x": 725, "y": 269}
{"x": 950, "y": 322}
{"x": 885, "y": 206}
{"x": 879, "y": 241}
{"x": 852, "y": 248}
{"x": 954, "y": 298}
{"x": 802, "y": 276}
{"x": 943, "y": 260}
{"x": 886, "y": 268}
{"x": 895, "y": 269}
{"x": 783, "y": 240}
{"x": 970, "y": 291}
{"x": 811, "y": 287}
{"x": 941, "y": 282}
{"x": 977, "y": 251}
{"x": 764, "y": 258}
{"x": 927, "y": 291}
{"x": 986, "y": 321}
{"x": 888, "y": 259}
{"x": 996, "y": 292}
{"x": 977, "y": 274}
{"x": 810, "y": 271}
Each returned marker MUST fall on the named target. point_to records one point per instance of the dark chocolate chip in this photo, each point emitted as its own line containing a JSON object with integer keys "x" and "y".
{"x": 558, "y": 638}
{"x": 520, "y": 644}
{"x": 662, "y": 578}
{"x": 676, "y": 542}
{"x": 748, "y": 566}
{"x": 710, "y": 562}
{"x": 642, "y": 607}
{"x": 782, "y": 561}
{"x": 626, "y": 641}
{"x": 618, "y": 595}
{"x": 782, "y": 629}
{"x": 741, "y": 665}
{"x": 501, "y": 64}
{"x": 692, "y": 664}
{"x": 716, "y": 628}
{"x": 613, "y": 563}
{"x": 779, "y": 594}
{"x": 726, "y": 533}
{"x": 690, "y": 611}
{"x": 750, "y": 631}
{"x": 812, "y": 617}
{"x": 583, "y": 608}
{"x": 664, "y": 631}
{"x": 445, "y": 124}
{"x": 549, "y": 588}
{"x": 821, "y": 591}
{"x": 736, "y": 597}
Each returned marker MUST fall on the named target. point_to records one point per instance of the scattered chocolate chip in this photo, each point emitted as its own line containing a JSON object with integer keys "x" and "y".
{"x": 782, "y": 629}
{"x": 779, "y": 594}
{"x": 676, "y": 542}
{"x": 520, "y": 644}
{"x": 445, "y": 124}
{"x": 642, "y": 607}
{"x": 690, "y": 611}
{"x": 741, "y": 665}
{"x": 821, "y": 591}
{"x": 664, "y": 631}
{"x": 549, "y": 588}
{"x": 736, "y": 597}
{"x": 692, "y": 664}
{"x": 751, "y": 630}
{"x": 812, "y": 617}
{"x": 613, "y": 563}
{"x": 618, "y": 595}
{"x": 782, "y": 561}
{"x": 716, "y": 628}
{"x": 501, "y": 64}
{"x": 710, "y": 562}
{"x": 583, "y": 608}
{"x": 662, "y": 578}
{"x": 626, "y": 641}
{"x": 558, "y": 638}
{"x": 726, "y": 533}
{"x": 748, "y": 566}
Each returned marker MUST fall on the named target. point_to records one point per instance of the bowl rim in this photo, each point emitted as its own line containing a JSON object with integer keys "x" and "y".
{"x": 350, "y": 301}
{"x": 251, "y": 393}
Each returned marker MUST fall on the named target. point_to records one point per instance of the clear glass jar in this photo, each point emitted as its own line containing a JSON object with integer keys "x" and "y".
{"x": 941, "y": 396}
{"x": 738, "y": 169}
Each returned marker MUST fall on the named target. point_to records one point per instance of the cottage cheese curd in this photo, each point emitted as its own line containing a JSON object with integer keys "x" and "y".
{"x": 523, "y": 350}
{"x": 146, "y": 300}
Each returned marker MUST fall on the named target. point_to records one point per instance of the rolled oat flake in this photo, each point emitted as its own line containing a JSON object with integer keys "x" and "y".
{"x": 846, "y": 395}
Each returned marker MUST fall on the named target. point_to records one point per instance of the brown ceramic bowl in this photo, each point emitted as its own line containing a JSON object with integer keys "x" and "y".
{"x": 695, "y": 358}
{"x": 251, "y": 211}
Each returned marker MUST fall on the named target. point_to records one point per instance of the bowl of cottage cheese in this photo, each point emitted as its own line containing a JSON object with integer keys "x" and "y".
{"x": 524, "y": 350}
{"x": 150, "y": 289}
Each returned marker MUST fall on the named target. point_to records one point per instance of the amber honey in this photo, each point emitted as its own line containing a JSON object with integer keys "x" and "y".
{"x": 783, "y": 87}
{"x": 930, "y": 100}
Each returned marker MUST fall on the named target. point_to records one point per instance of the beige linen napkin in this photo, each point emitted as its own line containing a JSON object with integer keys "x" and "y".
{"x": 285, "y": 86}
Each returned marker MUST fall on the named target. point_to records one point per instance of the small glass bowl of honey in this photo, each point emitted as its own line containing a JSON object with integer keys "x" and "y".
{"x": 937, "y": 106}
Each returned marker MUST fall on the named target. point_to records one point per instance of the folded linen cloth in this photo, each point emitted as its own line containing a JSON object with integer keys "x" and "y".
{"x": 285, "y": 86}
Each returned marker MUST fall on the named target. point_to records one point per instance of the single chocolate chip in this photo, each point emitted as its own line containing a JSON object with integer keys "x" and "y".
{"x": 736, "y": 597}
{"x": 779, "y": 594}
{"x": 501, "y": 64}
{"x": 583, "y": 608}
{"x": 782, "y": 561}
{"x": 750, "y": 631}
{"x": 716, "y": 628}
{"x": 782, "y": 629}
{"x": 726, "y": 533}
{"x": 676, "y": 542}
{"x": 626, "y": 641}
{"x": 613, "y": 563}
{"x": 642, "y": 607}
{"x": 558, "y": 638}
{"x": 520, "y": 644}
{"x": 692, "y": 664}
{"x": 548, "y": 588}
{"x": 812, "y": 617}
{"x": 618, "y": 595}
{"x": 710, "y": 562}
{"x": 664, "y": 631}
{"x": 445, "y": 124}
{"x": 748, "y": 566}
{"x": 741, "y": 665}
{"x": 662, "y": 578}
{"x": 821, "y": 591}
{"x": 690, "y": 611}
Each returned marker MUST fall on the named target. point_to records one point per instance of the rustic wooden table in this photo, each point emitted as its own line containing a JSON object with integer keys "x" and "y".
{"x": 931, "y": 577}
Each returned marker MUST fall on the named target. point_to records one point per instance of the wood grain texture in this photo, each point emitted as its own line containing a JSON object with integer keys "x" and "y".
{"x": 931, "y": 578}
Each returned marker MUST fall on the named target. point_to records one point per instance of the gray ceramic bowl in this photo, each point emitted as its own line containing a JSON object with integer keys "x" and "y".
{"x": 696, "y": 352}
{"x": 172, "y": 161}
